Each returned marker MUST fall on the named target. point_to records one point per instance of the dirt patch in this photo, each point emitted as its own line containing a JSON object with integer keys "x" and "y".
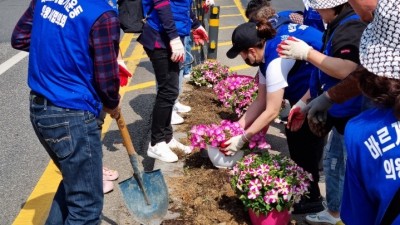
{"x": 203, "y": 195}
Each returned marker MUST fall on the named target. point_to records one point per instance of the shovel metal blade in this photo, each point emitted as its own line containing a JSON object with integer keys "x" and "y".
{"x": 157, "y": 192}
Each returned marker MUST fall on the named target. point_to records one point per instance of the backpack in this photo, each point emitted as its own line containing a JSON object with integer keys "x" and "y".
{"x": 131, "y": 16}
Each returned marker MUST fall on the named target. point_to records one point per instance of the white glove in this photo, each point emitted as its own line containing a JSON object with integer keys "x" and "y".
{"x": 210, "y": 2}
{"x": 234, "y": 144}
{"x": 294, "y": 48}
{"x": 178, "y": 51}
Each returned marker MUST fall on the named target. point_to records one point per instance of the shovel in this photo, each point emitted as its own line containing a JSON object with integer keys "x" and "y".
{"x": 145, "y": 194}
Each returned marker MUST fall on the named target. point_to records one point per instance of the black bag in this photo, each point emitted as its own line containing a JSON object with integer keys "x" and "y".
{"x": 131, "y": 16}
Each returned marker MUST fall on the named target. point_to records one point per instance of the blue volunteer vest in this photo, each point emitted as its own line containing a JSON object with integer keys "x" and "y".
{"x": 60, "y": 65}
{"x": 313, "y": 19}
{"x": 299, "y": 76}
{"x": 181, "y": 14}
{"x": 372, "y": 173}
{"x": 350, "y": 107}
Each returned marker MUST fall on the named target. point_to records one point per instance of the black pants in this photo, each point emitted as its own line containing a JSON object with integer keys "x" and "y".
{"x": 167, "y": 78}
{"x": 306, "y": 150}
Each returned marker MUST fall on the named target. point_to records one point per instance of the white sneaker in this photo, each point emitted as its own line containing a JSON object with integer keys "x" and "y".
{"x": 186, "y": 76}
{"x": 179, "y": 107}
{"x": 323, "y": 217}
{"x": 162, "y": 152}
{"x": 176, "y": 144}
{"x": 175, "y": 118}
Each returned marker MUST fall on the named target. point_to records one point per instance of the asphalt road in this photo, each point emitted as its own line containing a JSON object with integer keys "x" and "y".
{"x": 22, "y": 158}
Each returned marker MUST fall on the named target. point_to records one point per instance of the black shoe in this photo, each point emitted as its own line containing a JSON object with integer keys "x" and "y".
{"x": 307, "y": 205}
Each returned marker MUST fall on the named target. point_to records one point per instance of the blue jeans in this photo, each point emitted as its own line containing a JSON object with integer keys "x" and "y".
{"x": 187, "y": 66}
{"x": 72, "y": 140}
{"x": 334, "y": 169}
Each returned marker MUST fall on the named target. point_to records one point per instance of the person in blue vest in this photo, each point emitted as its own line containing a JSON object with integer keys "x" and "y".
{"x": 162, "y": 39}
{"x": 279, "y": 79}
{"x": 371, "y": 192}
{"x": 308, "y": 16}
{"x": 72, "y": 79}
{"x": 347, "y": 88}
{"x": 339, "y": 57}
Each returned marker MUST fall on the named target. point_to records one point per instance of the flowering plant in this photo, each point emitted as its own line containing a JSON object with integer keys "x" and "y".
{"x": 215, "y": 134}
{"x": 209, "y": 73}
{"x": 237, "y": 92}
{"x": 266, "y": 182}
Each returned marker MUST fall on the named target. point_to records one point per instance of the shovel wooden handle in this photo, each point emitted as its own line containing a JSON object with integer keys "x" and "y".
{"x": 126, "y": 138}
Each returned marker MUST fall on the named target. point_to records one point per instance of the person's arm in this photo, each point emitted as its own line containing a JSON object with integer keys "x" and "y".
{"x": 195, "y": 22}
{"x": 298, "y": 49}
{"x": 345, "y": 90}
{"x": 273, "y": 103}
{"x": 21, "y": 36}
{"x": 104, "y": 44}
{"x": 166, "y": 17}
{"x": 334, "y": 67}
{"x": 275, "y": 84}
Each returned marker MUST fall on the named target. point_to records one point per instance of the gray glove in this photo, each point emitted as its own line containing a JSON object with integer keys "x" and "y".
{"x": 318, "y": 108}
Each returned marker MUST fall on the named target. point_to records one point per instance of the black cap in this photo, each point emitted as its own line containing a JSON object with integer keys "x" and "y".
{"x": 244, "y": 37}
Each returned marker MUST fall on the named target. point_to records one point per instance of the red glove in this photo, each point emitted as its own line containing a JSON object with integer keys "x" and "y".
{"x": 296, "y": 116}
{"x": 124, "y": 75}
{"x": 200, "y": 35}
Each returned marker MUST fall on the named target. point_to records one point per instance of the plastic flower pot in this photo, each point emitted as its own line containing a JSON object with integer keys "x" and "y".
{"x": 222, "y": 161}
{"x": 272, "y": 218}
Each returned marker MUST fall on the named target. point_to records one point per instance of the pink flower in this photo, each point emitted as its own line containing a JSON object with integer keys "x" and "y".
{"x": 255, "y": 184}
{"x": 253, "y": 194}
{"x": 262, "y": 169}
{"x": 236, "y": 92}
{"x": 271, "y": 196}
{"x": 266, "y": 182}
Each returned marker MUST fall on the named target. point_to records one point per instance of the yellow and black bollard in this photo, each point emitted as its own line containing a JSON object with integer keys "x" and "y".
{"x": 213, "y": 28}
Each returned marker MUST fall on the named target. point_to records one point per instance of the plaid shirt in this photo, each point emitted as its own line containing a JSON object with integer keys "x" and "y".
{"x": 103, "y": 42}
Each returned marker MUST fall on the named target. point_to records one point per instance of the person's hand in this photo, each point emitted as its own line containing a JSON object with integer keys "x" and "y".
{"x": 296, "y": 116}
{"x": 114, "y": 113}
{"x": 233, "y": 145}
{"x": 293, "y": 48}
{"x": 124, "y": 75}
{"x": 178, "y": 51}
{"x": 200, "y": 35}
{"x": 207, "y": 4}
{"x": 318, "y": 108}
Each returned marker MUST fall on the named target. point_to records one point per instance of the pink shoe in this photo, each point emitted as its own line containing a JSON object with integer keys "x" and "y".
{"x": 108, "y": 186}
{"x": 109, "y": 175}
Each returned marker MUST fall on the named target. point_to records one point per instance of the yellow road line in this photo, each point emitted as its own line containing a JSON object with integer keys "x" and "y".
{"x": 229, "y": 15}
{"x": 125, "y": 42}
{"x": 239, "y": 67}
{"x": 227, "y": 6}
{"x": 38, "y": 204}
{"x": 227, "y": 27}
{"x": 241, "y": 9}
